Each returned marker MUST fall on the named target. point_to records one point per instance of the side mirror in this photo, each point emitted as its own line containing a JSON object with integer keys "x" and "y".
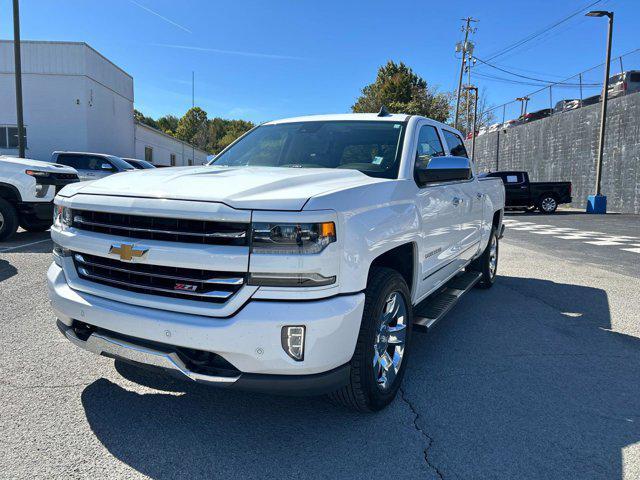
{"x": 106, "y": 166}
{"x": 442, "y": 169}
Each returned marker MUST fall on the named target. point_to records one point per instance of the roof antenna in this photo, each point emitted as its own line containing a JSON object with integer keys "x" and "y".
{"x": 383, "y": 112}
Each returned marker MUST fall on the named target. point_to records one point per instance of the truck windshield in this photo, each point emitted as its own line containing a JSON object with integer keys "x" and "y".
{"x": 372, "y": 147}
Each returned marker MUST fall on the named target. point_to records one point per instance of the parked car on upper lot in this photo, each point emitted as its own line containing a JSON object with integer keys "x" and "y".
{"x": 521, "y": 193}
{"x": 494, "y": 128}
{"x": 625, "y": 82}
{"x": 590, "y": 100}
{"x": 566, "y": 105}
{"x": 91, "y": 166}
{"x": 139, "y": 164}
{"x": 511, "y": 123}
{"x": 27, "y": 188}
{"x": 537, "y": 115}
{"x": 299, "y": 261}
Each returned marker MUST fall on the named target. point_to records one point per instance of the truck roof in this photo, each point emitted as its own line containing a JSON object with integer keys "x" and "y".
{"x": 392, "y": 117}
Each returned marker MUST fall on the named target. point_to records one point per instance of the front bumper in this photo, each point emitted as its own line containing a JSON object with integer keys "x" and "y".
{"x": 249, "y": 340}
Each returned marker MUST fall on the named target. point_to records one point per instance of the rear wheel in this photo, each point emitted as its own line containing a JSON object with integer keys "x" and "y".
{"x": 8, "y": 220}
{"x": 380, "y": 358}
{"x": 547, "y": 204}
{"x": 487, "y": 263}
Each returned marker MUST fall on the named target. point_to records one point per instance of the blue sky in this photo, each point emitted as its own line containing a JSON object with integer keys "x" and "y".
{"x": 261, "y": 60}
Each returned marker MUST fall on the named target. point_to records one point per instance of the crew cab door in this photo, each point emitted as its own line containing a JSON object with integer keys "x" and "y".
{"x": 516, "y": 187}
{"x": 470, "y": 205}
{"x": 439, "y": 211}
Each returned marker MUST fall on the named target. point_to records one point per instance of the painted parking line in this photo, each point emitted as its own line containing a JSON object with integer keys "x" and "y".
{"x": 600, "y": 239}
{"x": 2, "y": 250}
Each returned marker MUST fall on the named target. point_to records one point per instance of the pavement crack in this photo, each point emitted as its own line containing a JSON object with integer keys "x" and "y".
{"x": 429, "y": 439}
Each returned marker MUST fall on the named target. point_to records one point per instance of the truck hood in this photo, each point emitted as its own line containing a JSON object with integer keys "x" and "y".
{"x": 37, "y": 164}
{"x": 264, "y": 188}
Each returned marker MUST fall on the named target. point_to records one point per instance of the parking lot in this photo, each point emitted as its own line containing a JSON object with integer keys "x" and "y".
{"x": 535, "y": 378}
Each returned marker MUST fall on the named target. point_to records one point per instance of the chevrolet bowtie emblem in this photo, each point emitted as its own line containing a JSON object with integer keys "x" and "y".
{"x": 127, "y": 251}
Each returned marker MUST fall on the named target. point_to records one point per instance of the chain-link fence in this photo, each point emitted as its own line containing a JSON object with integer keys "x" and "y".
{"x": 581, "y": 89}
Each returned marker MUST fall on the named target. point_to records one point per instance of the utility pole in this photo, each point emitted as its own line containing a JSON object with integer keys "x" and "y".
{"x": 193, "y": 104}
{"x": 469, "y": 89}
{"x": 470, "y": 62}
{"x": 598, "y": 203}
{"x": 463, "y": 47}
{"x": 18, "y": 73}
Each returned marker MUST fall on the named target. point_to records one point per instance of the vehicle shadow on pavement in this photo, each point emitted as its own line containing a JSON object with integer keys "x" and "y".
{"x": 27, "y": 242}
{"x": 521, "y": 381}
{"x": 527, "y": 381}
{"x": 6, "y": 270}
{"x": 188, "y": 430}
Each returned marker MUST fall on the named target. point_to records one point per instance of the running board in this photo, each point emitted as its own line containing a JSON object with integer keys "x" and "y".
{"x": 431, "y": 310}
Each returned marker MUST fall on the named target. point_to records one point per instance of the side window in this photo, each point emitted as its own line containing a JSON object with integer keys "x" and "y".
{"x": 75, "y": 161}
{"x": 512, "y": 178}
{"x": 95, "y": 163}
{"x": 429, "y": 145}
{"x": 455, "y": 144}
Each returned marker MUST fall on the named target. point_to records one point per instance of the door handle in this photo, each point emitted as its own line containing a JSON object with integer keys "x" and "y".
{"x": 456, "y": 201}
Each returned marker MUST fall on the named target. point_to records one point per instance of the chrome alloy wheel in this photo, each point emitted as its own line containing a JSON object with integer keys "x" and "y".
{"x": 493, "y": 256}
{"x": 388, "y": 349}
{"x": 549, "y": 204}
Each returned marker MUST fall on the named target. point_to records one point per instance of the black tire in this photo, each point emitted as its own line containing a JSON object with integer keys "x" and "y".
{"x": 8, "y": 220}
{"x": 482, "y": 264}
{"x": 363, "y": 392}
{"x": 35, "y": 225}
{"x": 547, "y": 204}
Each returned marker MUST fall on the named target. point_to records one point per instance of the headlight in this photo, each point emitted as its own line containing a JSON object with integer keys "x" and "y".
{"x": 62, "y": 217}
{"x": 37, "y": 173}
{"x": 291, "y": 238}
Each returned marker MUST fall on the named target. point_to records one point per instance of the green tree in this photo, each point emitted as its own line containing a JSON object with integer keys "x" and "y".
{"x": 168, "y": 124}
{"x": 400, "y": 90}
{"x": 140, "y": 117}
{"x": 192, "y": 127}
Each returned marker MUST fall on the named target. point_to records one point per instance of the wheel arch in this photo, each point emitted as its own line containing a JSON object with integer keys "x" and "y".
{"x": 10, "y": 193}
{"x": 402, "y": 259}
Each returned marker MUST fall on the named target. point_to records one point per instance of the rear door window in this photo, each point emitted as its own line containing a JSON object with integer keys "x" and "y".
{"x": 512, "y": 178}
{"x": 455, "y": 144}
{"x": 79, "y": 162}
{"x": 634, "y": 77}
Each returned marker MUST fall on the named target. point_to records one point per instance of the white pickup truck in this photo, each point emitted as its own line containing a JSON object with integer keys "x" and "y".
{"x": 27, "y": 188}
{"x": 299, "y": 261}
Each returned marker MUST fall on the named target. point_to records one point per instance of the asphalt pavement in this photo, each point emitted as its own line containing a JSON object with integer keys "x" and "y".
{"x": 538, "y": 377}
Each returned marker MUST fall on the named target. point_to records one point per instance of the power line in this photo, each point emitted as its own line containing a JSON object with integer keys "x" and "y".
{"x": 534, "y": 35}
{"x": 552, "y": 82}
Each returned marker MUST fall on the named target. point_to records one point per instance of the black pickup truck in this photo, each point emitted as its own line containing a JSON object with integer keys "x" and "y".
{"x": 521, "y": 193}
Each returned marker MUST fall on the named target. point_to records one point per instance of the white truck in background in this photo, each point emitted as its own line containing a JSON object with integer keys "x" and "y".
{"x": 298, "y": 261}
{"x": 27, "y": 189}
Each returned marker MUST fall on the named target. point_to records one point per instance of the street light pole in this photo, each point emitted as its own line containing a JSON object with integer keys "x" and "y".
{"x": 18, "y": 75}
{"x": 598, "y": 203}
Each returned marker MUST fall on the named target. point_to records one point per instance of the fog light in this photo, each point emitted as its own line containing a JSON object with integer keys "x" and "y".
{"x": 293, "y": 341}
{"x": 41, "y": 190}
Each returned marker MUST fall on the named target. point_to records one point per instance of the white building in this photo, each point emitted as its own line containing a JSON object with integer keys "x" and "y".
{"x": 75, "y": 99}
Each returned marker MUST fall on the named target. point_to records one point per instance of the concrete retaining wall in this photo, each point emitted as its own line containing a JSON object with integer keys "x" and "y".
{"x": 564, "y": 147}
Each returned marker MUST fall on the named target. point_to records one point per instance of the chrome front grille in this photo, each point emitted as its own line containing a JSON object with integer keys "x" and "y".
{"x": 186, "y": 283}
{"x": 160, "y": 228}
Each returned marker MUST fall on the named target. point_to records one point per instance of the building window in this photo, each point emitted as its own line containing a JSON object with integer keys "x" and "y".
{"x": 172, "y": 159}
{"x": 148, "y": 154}
{"x": 9, "y": 136}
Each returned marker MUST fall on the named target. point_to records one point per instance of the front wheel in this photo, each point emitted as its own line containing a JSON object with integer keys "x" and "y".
{"x": 8, "y": 220}
{"x": 380, "y": 357}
